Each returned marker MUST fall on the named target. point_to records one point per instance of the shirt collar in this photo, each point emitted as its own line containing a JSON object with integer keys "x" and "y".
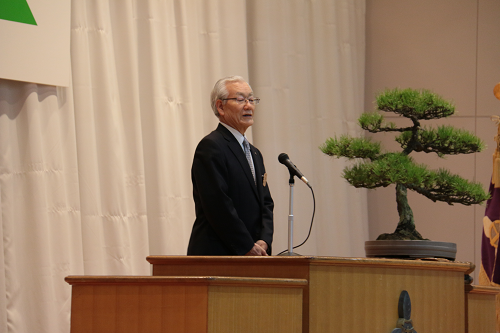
{"x": 239, "y": 137}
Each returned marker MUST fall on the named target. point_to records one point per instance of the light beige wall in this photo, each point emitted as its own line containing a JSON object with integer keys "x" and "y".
{"x": 453, "y": 48}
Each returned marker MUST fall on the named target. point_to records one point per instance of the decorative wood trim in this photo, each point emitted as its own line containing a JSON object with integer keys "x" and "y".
{"x": 185, "y": 280}
{"x": 189, "y": 260}
{"x": 482, "y": 290}
{"x": 465, "y": 267}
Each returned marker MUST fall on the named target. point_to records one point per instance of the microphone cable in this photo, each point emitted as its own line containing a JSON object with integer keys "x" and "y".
{"x": 310, "y": 227}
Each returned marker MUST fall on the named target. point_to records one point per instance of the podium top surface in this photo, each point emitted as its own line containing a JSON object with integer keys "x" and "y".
{"x": 427, "y": 264}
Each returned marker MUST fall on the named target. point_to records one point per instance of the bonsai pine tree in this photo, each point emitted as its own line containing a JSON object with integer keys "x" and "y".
{"x": 378, "y": 168}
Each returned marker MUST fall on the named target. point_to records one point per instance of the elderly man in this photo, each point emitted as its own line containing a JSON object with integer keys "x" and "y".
{"x": 234, "y": 208}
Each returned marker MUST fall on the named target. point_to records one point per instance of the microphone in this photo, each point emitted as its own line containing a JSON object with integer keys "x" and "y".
{"x": 284, "y": 159}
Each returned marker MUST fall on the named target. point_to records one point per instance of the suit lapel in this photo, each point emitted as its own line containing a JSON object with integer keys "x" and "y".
{"x": 236, "y": 149}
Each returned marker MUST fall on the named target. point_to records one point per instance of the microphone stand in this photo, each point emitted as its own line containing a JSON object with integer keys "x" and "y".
{"x": 290, "y": 252}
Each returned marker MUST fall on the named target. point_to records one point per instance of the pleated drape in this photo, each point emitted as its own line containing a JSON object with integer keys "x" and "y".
{"x": 95, "y": 177}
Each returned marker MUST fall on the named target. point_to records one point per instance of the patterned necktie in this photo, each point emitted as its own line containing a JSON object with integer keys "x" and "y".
{"x": 246, "y": 145}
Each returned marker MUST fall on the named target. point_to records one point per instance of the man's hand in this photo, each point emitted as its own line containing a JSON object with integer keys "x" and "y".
{"x": 258, "y": 249}
{"x": 262, "y": 244}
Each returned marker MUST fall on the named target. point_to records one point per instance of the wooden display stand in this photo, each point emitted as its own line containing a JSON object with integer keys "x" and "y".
{"x": 480, "y": 302}
{"x": 350, "y": 294}
{"x": 185, "y": 304}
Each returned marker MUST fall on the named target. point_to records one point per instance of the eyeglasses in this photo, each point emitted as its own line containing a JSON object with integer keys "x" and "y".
{"x": 242, "y": 100}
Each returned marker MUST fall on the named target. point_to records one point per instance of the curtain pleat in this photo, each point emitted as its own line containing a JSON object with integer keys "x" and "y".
{"x": 96, "y": 176}
{"x": 40, "y": 208}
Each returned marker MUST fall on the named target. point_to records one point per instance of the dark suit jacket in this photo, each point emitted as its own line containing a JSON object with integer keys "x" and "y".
{"x": 232, "y": 212}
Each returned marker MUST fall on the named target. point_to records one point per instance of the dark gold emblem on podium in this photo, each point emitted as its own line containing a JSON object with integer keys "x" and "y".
{"x": 404, "y": 325}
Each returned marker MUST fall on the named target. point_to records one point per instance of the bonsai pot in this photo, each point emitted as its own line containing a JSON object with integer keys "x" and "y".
{"x": 410, "y": 249}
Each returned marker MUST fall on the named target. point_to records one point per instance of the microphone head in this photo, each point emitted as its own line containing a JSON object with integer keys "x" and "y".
{"x": 282, "y": 158}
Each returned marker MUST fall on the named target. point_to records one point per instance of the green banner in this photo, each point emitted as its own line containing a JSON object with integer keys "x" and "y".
{"x": 17, "y": 11}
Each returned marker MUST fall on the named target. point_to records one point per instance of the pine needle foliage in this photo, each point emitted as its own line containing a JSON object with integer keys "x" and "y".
{"x": 422, "y": 104}
{"x": 377, "y": 169}
{"x": 445, "y": 140}
{"x": 374, "y": 122}
{"x": 351, "y": 148}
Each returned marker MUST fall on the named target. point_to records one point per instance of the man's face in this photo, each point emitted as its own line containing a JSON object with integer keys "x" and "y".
{"x": 238, "y": 116}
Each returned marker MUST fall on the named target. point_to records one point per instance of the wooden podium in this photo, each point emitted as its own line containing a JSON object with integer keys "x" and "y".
{"x": 132, "y": 304}
{"x": 350, "y": 294}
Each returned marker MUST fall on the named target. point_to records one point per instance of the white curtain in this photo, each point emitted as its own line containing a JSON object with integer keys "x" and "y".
{"x": 306, "y": 62}
{"x": 95, "y": 177}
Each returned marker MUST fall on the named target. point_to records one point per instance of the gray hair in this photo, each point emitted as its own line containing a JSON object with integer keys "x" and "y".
{"x": 220, "y": 90}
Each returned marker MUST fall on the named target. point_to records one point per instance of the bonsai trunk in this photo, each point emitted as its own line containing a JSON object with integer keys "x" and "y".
{"x": 406, "y": 226}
